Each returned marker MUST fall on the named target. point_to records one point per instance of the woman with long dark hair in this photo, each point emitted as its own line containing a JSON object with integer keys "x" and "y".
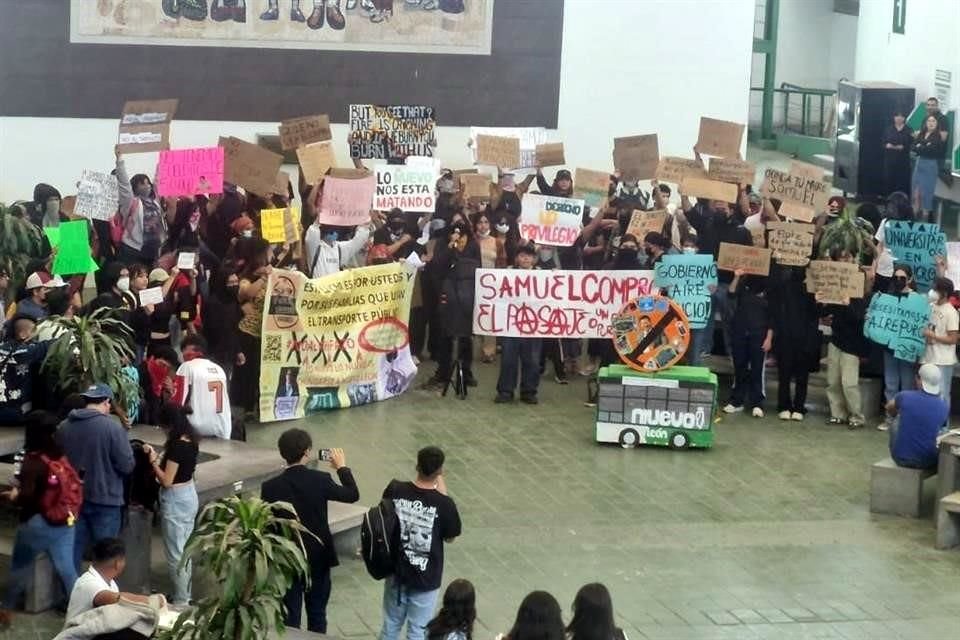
{"x": 538, "y": 618}
{"x": 929, "y": 148}
{"x": 222, "y": 317}
{"x": 455, "y": 619}
{"x": 251, "y": 294}
{"x": 593, "y": 615}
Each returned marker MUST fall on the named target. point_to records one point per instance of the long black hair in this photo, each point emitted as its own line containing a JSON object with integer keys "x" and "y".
{"x": 538, "y": 618}
{"x": 458, "y": 613}
{"x": 173, "y": 418}
{"x": 39, "y": 436}
{"x": 592, "y": 614}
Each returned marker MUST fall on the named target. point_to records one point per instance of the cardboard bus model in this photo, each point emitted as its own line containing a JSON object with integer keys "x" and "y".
{"x": 648, "y": 400}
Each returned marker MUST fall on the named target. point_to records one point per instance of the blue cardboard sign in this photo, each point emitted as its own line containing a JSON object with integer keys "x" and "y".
{"x": 898, "y": 322}
{"x": 916, "y": 244}
{"x": 687, "y": 280}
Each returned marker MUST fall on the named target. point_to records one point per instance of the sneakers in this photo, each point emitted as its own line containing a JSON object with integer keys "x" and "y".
{"x": 855, "y": 424}
{"x": 560, "y": 380}
{"x": 834, "y": 420}
{"x": 757, "y": 412}
{"x": 796, "y": 416}
{"x": 784, "y": 415}
{"x": 730, "y": 408}
{"x": 883, "y": 426}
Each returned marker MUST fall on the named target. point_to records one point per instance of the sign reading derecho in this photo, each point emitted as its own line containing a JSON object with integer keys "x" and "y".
{"x": 391, "y": 132}
{"x": 550, "y": 220}
{"x": 334, "y": 342}
{"x": 553, "y": 304}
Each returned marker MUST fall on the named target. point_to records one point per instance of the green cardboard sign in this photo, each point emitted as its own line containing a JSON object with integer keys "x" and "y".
{"x": 73, "y": 253}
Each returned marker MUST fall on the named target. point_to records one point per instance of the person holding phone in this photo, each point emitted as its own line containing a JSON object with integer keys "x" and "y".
{"x": 309, "y": 490}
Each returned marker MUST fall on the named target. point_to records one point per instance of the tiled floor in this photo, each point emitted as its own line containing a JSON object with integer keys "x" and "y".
{"x": 767, "y": 535}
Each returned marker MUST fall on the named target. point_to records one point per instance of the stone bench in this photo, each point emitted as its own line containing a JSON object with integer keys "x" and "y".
{"x": 896, "y": 490}
{"x": 948, "y": 521}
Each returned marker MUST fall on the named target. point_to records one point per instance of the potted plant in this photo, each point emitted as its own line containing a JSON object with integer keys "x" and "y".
{"x": 20, "y": 243}
{"x": 254, "y": 554}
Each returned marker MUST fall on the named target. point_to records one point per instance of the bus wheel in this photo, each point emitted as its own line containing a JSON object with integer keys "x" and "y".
{"x": 679, "y": 440}
{"x": 629, "y": 438}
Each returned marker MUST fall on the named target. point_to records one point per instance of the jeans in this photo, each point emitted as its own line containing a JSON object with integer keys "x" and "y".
{"x": 401, "y": 603}
{"x": 696, "y": 350}
{"x": 843, "y": 385}
{"x": 33, "y": 537}
{"x": 898, "y": 375}
{"x": 925, "y": 180}
{"x": 317, "y": 597}
{"x": 748, "y": 359}
{"x": 523, "y": 355}
{"x": 95, "y": 522}
{"x": 178, "y": 510}
{"x": 719, "y": 304}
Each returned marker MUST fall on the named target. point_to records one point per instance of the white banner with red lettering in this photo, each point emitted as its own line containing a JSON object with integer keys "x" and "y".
{"x": 550, "y": 220}
{"x": 528, "y": 303}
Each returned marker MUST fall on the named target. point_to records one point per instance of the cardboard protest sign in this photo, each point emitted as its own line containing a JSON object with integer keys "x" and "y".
{"x": 808, "y": 171}
{"x": 553, "y": 304}
{"x": 282, "y": 184}
{"x": 550, "y": 154}
{"x": 349, "y": 174}
{"x": 315, "y": 160}
{"x": 636, "y": 157}
{"x": 753, "y": 260}
{"x": 702, "y": 188}
{"x": 798, "y": 192}
{"x": 758, "y": 235}
{"x": 550, "y": 220}
{"x": 145, "y": 125}
{"x": 335, "y": 342}
{"x": 917, "y": 244}
{"x": 347, "y": 202}
{"x": 404, "y": 187}
{"x": 250, "y": 166}
{"x": 498, "y": 151}
{"x": 732, "y": 170}
{"x": 795, "y": 211}
{"x": 897, "y": 322}
{"x": 593, "y": 187}
{"x": 529, "y": 138}
{"x": 676, "y": 170}
{"x": 271, "y": 225}
{"x": 188, "y": 172}
{"x": 719, "y": 137}
{"x": 687, "y": 280}
{"x": 291, "y": 224}
{"x": 644, "y": 222}
{"x": 186, "y": 260}
{"x": 98, "y": 196}
{"x": 298, "y": 132}
{"x": 833, "y": 282}
{"x": 791, "y": 243}
{"x": 73, "y": 252}
{"x": 153, "y": 295}
{"x": 391, "y": 132}
{"x": 475, "y": 186}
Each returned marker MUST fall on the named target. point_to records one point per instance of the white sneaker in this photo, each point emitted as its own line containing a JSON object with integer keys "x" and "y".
{"x": 784, "y": 415}
{"x": 883, "y": 426}
{"x": 797, "y": 416}
{"x": 757, "y": 412}
{"x": 732, "y": 409}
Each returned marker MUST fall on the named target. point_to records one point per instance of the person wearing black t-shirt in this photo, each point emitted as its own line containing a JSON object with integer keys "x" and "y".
{"x": 897, "y": 140}
{"x": 309, "y": 490}
{"x": 428, "y": 518}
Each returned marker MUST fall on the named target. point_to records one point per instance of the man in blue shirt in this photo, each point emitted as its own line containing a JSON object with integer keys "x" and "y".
{"x": 920, "y": 416}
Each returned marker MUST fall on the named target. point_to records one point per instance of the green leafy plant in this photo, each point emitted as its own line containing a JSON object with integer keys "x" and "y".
{"x": 852, "y": 234}
{"x": 20, "y": 243}
{"x": 254, "y": 553}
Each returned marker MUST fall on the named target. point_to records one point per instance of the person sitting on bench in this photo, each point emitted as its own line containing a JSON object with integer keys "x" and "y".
{"x": 920, "y": 416}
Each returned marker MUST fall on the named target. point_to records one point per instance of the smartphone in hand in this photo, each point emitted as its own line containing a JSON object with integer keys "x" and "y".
{"x": 325, "y": 455}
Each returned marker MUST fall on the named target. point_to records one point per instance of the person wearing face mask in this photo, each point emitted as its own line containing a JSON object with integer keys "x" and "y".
{"x": 752, "y": 339}
{"x": 251, "y": 294}
{"x": 695, "y": 352}
{"x": 46, "y": 207}
{"x": 898, "y": 375}
{"x": 143, "y": 218}
{"x": 562, "y": 186}
{"x": 492, "y": 256}
{"x": 942, "y": 334}
{"x": 327, "y": 254}
{"x": 221, "y": 316}
{"x": 656, "y": 245}
{"x": 897, "y": 208}
{"x": 396, "y": 235}
{"x": 628, "y": 255}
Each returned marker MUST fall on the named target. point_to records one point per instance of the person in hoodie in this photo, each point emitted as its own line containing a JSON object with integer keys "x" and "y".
{"x": 327, "y": 254}
{"x": 98, "y": 447}
{"x": 19, "y": 353}
{"x": 46, "y": 206}
{"x": 143, "y": 218}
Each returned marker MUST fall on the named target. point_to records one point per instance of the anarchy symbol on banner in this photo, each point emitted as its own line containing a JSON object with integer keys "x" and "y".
{"x": 526, "y": 320}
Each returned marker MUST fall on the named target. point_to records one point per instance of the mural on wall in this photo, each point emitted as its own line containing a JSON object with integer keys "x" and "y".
{"x": 415, "y": 26}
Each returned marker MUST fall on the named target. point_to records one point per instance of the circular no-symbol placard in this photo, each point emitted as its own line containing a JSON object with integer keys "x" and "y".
{"x": 651, "y": 333}
{"x": 384, "y": 335}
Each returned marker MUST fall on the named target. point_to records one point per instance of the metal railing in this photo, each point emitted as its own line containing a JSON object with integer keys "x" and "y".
{"x": 803, "y": 110}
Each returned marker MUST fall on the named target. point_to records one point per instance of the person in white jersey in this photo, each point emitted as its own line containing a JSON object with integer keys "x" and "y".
{"x": 202, "y": 385}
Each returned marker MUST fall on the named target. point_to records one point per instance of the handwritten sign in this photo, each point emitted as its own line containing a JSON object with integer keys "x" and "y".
{"x": 917, "y": 244}
{"x": 153, "y": 295}
{"x": 391, "y": 132}
{"x": 702, "y": 188}
{"x": 188, "y": 172}
{"x": 550, "y": 220}
{"x": 687, "y": 280}
{"x": 410, "y": 188}
{"x": 833, "y": 282}
{"x": 315, "y": 160}
{"x": 498, "y": 151}
{"x": 298, "y": 132}
{"x": 347, "y": 202}
{"x": 800, "y": 190}
{"x": 753, "y": 260}
{"x": 732, "y": 170}
{"x": 475, "y": 186}
{"x": 592, "y": 187}
{"x": 97, "y": 196}
{"x": 791, "y": 243}
{"x": 250, "y": 166}
{"x": 556, "y": 304}
{"x": 73, "y": 253}
{"x": 637, "y": 157}
{"x": 676, "y": 170}
{"x": 897, "y": 322}
{"x": 271, "y": 225}
{"x": 145, "y": 125}
{"x": 719, "y": 137}
{"x": 529, "y": 138}
{"x": 644, "y": 222}
{"x": 550, "y": 154}
{"x": 186, "y": 260}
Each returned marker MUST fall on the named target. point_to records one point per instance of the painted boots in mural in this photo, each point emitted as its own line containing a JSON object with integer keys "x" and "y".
{"x": 189, "y": 9}
{"x": 273, "y": 11}
{"x": 223, "y": 10}
{"x": 329, "y": 10}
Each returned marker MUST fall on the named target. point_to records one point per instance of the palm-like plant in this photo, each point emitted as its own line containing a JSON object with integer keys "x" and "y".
{"x": 20, "y": 242}
{"x": 852, "y": 234}
{"x": 254, "y": 553}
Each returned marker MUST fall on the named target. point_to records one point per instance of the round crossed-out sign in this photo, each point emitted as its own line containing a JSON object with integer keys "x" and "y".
{"x": 651, "y": 333}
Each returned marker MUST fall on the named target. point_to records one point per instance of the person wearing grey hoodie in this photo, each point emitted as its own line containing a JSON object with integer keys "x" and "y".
{"x": 99, "y": 449}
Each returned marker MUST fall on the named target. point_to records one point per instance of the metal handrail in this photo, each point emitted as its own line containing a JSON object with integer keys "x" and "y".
{"x": 807, "y": 98}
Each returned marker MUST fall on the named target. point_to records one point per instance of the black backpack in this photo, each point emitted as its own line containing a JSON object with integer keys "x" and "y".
{"x": 142, "y": 487}
{"x": 380, "y": 539}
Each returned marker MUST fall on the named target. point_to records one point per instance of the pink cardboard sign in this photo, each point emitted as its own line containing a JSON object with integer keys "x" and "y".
{"x": 188, "y": 172}
{"x": 347, "y": 202}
